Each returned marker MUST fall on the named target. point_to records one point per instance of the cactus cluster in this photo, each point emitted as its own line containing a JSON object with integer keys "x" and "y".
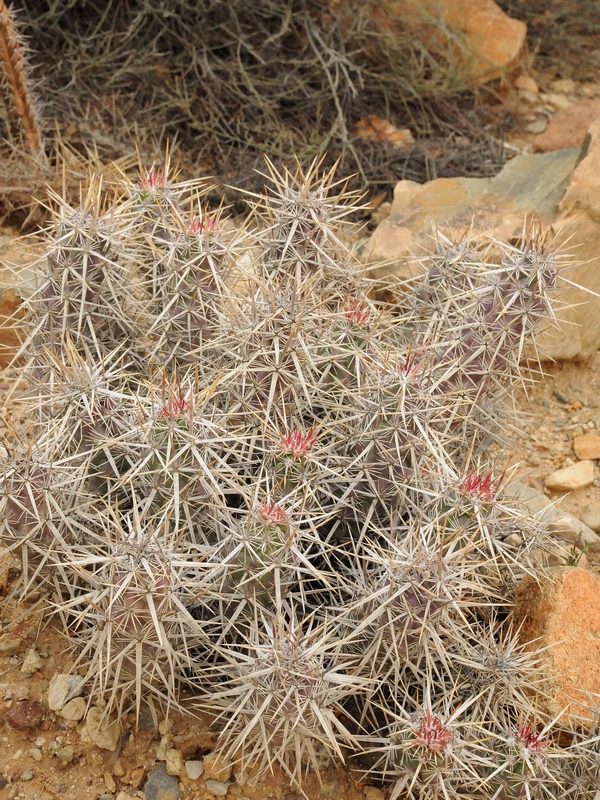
{"x": 251, "y": 489}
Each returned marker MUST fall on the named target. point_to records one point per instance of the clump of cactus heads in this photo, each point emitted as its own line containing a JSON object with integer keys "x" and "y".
{"x": 245, "y": 478}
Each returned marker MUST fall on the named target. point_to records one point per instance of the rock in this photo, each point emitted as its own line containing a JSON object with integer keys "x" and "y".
{"x": 110, "y": 782}
{"x": 527, "y": 84}
{"x": 373, "y": 793}
{"x": 10, "y": 644}
{"x": 587, "y": 446}
{"x": 563, "y": 86}
{"x": 562, "y": 614}
{"x": 215, "y": 768}
{"x": 560, "y": 523}
{"x": 137, "y": 777}
{"x": 591, "y": 517}
{"x": 555, "y": 101}
{"x": 74, "y": 710}
{"x": 62, "y": 689}
{"x": 217, "y": 788}
{"x": 161, "y": 786}
{"x": 146, "y": 722}
{"x": 528, "y": 184}
{"x": 577, "y": 476}
{"x": 32, "y": 663}
{"x": 531, "y": 499}
{"x": 27, "y": 775}
{"x": 25, "y": 715}
{"x": 568, "y": 126}
{"x": 558, "y": 189}
{"x": 514, "y": 540}
{"x": 21, "y": 692}
{"x": 569, "y": 528}
{"x": 53, "y": 748}
{"x": 102, "y": 732}
{"x": 66, "y": 754}
{"x": 36, "y": 753}
{"x": 194, "y": 769}
{"x": 376, "y": 129}
{"x": 164, "y": 726}
{"x": 174, "y": 762}
{"x": 119, "y": 769}
{"x": 490, "y": 40}
{"x": 163, "y": 748}
{"x": 537, "y": 126}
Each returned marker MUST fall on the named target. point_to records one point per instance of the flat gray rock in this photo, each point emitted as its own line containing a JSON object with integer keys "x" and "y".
{"x": 560, "y": 523}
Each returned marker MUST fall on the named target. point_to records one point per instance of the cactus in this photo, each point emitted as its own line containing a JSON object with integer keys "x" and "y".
{"x": 245, "y": 476}
{"x": 16, "y": 81}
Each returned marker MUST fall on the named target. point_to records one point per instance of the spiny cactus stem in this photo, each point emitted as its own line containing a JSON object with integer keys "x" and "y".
{"x": 17, "y": 81}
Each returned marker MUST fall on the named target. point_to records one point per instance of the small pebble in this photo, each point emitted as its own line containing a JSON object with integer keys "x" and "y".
{"x": 216, "y": 769}
{"x": 561, "y": 398}
{"x": 110, "y": 783}
{"x": 10, "y": 644}
{"x": 32, "y": 663}
{"x": 514, "y": 540}
{"x": 163, "y": 748}
{"x": 53, "y": 748}
{"x": 74, "y": 710}
{"x": 119, "y": 769}
{"x": 217, "y": 788}
{"x": 36, "y": 754}
{"x": 164, "y": 726}
{"x": 102, "y": 732}
{"x": 60, "y": 788}
{"x": 27, "y": 775}
{"x": 66, "y": 754}
{"x": 137, "y": 777}
{"x": 174, "y": 762}
{"x": 537, "y": 126}
{"x": 194, "y": 769}
{"x": 373, "y": 793}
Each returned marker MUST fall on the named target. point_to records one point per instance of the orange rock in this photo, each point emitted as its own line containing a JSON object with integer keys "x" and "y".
{"x": 137, "y": 777}
{"x": 376, "y": 129}
{"x": 587, "y": 446}
{"x": 562, "y": 613}
{"x": 526, "y": 83}
{"x": 568, "y": 126}
{"x": 483, "y": 39}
